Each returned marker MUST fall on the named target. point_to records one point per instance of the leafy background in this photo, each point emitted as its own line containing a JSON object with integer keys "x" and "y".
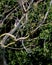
{"x": 39, "y": 49}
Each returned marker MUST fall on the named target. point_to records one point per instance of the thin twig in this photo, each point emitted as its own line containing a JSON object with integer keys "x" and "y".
{"x": 43, "y": 19}
{"x": 10, "y": 10}
{"x": 8, "y": 15}
{"x": 21, "y": 48}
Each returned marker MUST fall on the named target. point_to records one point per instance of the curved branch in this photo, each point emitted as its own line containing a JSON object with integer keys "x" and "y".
{"x": 22, "y": 38}
{"x": 8, "y": 34}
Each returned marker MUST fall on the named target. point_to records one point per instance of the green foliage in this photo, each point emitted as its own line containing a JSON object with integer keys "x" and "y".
{"x": 41, "y": 51}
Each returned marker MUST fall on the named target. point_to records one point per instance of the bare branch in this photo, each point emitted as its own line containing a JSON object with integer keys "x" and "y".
{"x": 3, "y": 41}
{"x": 22, "y": 38}
{"x": 8, "y": 34}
